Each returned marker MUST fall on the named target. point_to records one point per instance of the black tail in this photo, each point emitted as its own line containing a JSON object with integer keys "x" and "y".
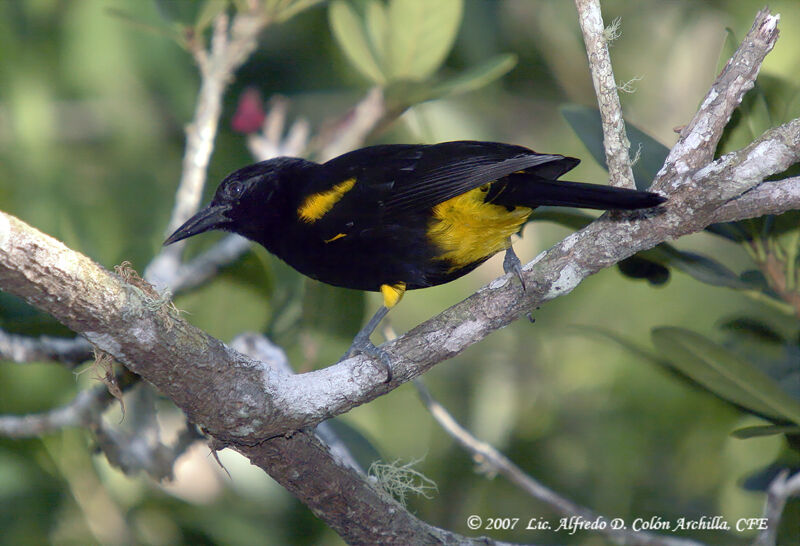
{"x": 535, "y": 191}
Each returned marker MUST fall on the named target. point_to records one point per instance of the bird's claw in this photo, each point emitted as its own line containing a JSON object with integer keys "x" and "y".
{"x": 511, "y": 264}
{"x": 366, "y": 347}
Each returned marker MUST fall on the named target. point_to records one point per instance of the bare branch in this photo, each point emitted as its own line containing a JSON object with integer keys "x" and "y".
{"x": 270, "y": 142}
{"x": 205, "y": 266}
{"x": 615, "y": 140}
{"x": 229, "y": 49}
{"x": 83, "y": 411}
{"x": 767, "y": 198}
{"x": 134, "y": 452}
{"x": 19, "y": 348}
{"x": 349, "y": 131}
{"x": 780, "y": 490}
{"x": 698, "y": 141}
{"x": 488, "y": 457}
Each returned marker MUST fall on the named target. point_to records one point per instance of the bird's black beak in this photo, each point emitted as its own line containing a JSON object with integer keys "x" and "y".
{"x": 211, "y": 217}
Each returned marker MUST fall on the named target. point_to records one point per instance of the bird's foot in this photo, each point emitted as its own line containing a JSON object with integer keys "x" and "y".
{"x": 511, "y": 264}
{"x": 366, "y": 347}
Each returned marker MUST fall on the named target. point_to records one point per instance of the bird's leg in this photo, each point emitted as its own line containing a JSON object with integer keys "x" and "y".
{"x": 511, "y": 264}
{"x": 362, "y": 344}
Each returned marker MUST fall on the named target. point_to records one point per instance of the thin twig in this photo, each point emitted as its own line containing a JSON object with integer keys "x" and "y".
{"x": 767, "y": 198}
{"x": 229, "y": 49}
{"x": 615, "y": 139}
{"x": 350, "y": 131}
{"x": 19, "y": 348}
{"x": 487, "y": 456}
{"x": 270, "y": 142}
{"x": 83, "y": 411}
{"x": 204, "y": 267}
{"x": 780, "y": 490}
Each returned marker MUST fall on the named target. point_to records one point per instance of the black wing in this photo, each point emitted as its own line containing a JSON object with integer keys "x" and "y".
{"x": 397, "y": 179}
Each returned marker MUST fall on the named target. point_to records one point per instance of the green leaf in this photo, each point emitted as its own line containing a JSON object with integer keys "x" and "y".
{"x": 625, "y": 343}
{"x": 724, "y": 373}
{"x": 294, "y": 8}
{"x": 700, "y": 267}
{"x": 652, "y": 155}
{"x": 728, "y": 49}
{"x": 477, "y": 76}
{"x": 638, "y": 267}
{"x": 159, "y": 28}
{"x": 349, "y": 33}
{"x": 571, "y": 218}
{"x": 421, "y": 33}
{"x": 362, "y": 448}
{"x": 587, "y": 124}
{"x": 180, "y": 12}
{"x": 758, "y": 116}
{"x": 378, "y": 31}
{"x": 733, "y": 231}
{"x": 793, "y": 106}
{"x": 209, "y": 11}
{"x": 400, "y": 95}
{"x": 765, "y": 430}
{"x": 752, "y": 328}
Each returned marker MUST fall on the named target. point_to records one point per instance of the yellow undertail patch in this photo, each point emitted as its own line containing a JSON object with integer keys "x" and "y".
{"x": 316, "y": 205}
{"x": 466, "y": 229}
{"x": 392, "y": 293}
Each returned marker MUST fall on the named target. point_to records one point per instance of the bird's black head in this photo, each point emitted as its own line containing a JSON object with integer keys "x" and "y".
{"x": 247, "y": 202}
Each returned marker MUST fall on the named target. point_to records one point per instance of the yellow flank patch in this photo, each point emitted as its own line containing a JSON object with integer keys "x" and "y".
{"x": 316, "y": 205}
{"x": 392, "y": 293}
{"x": 337, "y": 236}
{"x": 467, "y": 230}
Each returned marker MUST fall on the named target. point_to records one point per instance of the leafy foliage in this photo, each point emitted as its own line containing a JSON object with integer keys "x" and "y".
{"x": 400, "y": 45}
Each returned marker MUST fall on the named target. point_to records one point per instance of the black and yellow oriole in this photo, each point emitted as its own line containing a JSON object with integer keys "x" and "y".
{"x": 392, "y": 218}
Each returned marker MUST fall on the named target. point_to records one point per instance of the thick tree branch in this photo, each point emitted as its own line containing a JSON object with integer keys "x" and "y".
{"x": 241, "y": 402}
{"x": 615, "y": 139}
{"x": 335, "y": 492}
{"x": 238, "y": 399}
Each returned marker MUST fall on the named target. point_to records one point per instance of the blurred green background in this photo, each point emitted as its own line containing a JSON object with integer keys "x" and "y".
{"x": 92, "y": 110}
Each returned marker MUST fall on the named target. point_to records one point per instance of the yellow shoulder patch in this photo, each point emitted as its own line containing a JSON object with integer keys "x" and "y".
{"x": 316, "y": 205}
{"x": 392, "y": 293}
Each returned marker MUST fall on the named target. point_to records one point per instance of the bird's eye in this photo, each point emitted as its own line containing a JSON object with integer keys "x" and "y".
{"x": 234, "y": 190}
